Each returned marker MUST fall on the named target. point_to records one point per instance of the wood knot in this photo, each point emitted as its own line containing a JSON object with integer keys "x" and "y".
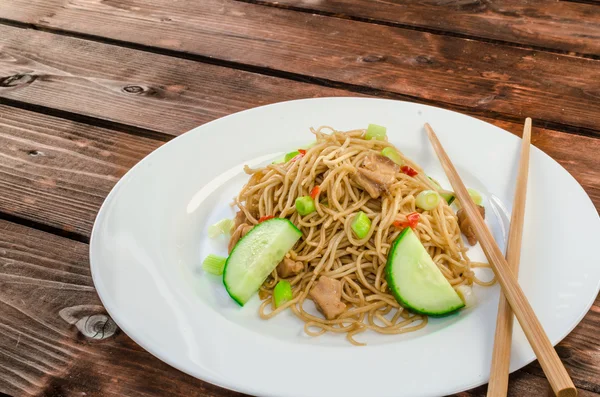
{"x": 90, "y": 320}
{"x": 424, "y": 60}
{"x": 35, "y": 153}
{"x": 17, "y": 80}
{"x": 133, "y": 89}
{"x": 155, "y": 92}
{"x": 373, "y": 58}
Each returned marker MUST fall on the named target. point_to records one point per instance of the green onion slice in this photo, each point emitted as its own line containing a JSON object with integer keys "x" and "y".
{"x": 377, "y": 132}
{"x": 224, "y": 226}
{"x": 393, "y": 155}
{"x": 214, "y": 264}
{"x": 361, "y": 224}
{"x": 282, "y": 293}
{"x": 290, "y": 156}
{"x": 428, "y": 199}
{"x": 475, "y": 196}
{"x": 305, "y": 205}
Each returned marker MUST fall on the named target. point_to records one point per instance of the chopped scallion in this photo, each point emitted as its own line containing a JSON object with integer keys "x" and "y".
{"x": 428, "y": 199}
{"x": 475, "y": 196}
{"x": 290, "y": 156}
{"x": 214, "y": 264}
{"x": 448, "y": 196}
{"x": 282, "y": 292}
{"x": 375, "y": 131}
{"x": 224, "y": 226}
{"x": 361, "y": 224}
{"x": 393, "y": 155}
{"x": 305, "y": 205}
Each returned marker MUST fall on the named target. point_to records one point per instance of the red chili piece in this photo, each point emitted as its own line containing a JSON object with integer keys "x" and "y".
{"x": 408, "y": 170}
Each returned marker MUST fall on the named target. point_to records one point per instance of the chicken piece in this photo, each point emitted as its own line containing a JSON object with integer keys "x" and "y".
{"x": 376, "y": 174}
{"x": 240, "y": 218}
{"x": 464, "y": 223}
{"x": 288, "y": 268}
{"x": 239, "y": 232}
{"x": 327, "y": 294}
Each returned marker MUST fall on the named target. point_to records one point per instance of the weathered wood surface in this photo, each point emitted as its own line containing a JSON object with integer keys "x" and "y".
{"x": 558, "y": 25}
{"x": 142, "y": 71}
{"x": 137, "y": 88}
{"x": 450, "y": 71}
{"x": 58, "y": 172}
{"x": 47, "y": 298}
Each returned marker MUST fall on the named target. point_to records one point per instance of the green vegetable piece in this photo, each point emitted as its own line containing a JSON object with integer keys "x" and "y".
{"x": 305, "y": 205}
{"x": 428, "y": 199}
{"x": 214, "y": 264}
{"x": 475, "y": 196}
{"x": 393, "y": 155}
{"x": 375, "y": 131}
{"x": 256, "y": 255}
{"x": 361, "y": 224}
{"x": 290, "y": 156}
{"x": 282, "y": 292}
{"x": 415, "y": 280}
{"x": 224, "y": 226}
{"x": 448, "y": 196}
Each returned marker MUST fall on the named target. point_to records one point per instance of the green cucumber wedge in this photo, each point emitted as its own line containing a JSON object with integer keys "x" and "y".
{"x": 415, "y": 280}
{"x": 256, "y": 255}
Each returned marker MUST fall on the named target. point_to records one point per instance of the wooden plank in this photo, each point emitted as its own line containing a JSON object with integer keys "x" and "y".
{"x": 463, "y": 74}
{"x": 46, "y": 287}
{"x": 117, "y": 84}
{"x": 559, "y": 25}
{"x": 58, "y": 172}
{"x": 580, "y": 351}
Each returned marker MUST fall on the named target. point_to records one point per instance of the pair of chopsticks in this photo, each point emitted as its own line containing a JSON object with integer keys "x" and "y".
{"x": 512, "y": 298}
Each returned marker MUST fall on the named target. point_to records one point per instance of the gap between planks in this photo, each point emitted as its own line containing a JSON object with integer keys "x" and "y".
{"x": 322, "y": 82}
{"x": 434, "y": 31}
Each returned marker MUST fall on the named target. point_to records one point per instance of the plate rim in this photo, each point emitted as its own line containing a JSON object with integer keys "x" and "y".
{"x": 261, "y": 391}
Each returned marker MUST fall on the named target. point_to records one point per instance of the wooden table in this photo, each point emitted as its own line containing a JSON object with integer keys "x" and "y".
{"x": 89, "y": 87}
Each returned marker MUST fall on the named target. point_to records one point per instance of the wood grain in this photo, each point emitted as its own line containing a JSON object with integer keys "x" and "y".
{"x": 43, "y": 276}
{"x": 559, "y": 379}
{"x": 58, "y": 172}
{"x": 454, "y": 72}
{"x": 44, "y": 282}
{"x": 559, "y": 25}
{"x": 498, "y": 383}
{"x": 117, "y": 84}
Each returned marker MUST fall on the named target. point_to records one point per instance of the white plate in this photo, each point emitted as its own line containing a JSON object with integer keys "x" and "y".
{"x": 149, "y": 240}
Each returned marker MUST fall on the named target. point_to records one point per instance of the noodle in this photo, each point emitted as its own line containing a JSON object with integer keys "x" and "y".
{"x": 330, "y": 248}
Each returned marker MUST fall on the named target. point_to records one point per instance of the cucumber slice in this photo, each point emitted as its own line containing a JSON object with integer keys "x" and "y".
{"x": 416, "y": 281}
{"x": 256, "y": 255}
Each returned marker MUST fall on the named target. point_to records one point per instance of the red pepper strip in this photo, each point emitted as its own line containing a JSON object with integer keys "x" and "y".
{"x": 412, "y": 220}
{"x": 265, "y": 218}
{"x": 314, "y": 192}
{"x": 302, "y": 151}
{"x": 408, "y": 170}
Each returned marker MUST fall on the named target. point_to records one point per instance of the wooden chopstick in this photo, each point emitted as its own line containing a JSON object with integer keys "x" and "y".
{"x": 557, "y": 375}
{"x": 498, "y": 385}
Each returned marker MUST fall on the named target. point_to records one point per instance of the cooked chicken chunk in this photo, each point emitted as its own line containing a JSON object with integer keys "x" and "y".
{"x": 240, "y": 218}
{"x": 239, "y": 232}
{"x": 464, "y": 223}
{"x": 376, "y": 174}
{"x": 288, "y": 268}
{"x": 327, "y": 294}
